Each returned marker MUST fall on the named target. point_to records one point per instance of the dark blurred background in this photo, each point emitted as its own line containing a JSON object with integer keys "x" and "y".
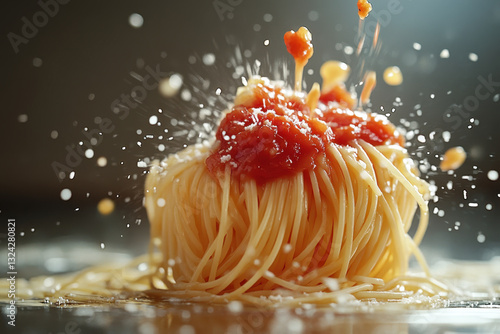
{"x": 72, "y": 69}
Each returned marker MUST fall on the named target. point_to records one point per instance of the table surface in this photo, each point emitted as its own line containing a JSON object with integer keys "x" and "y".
{"x": 470, "y": 317}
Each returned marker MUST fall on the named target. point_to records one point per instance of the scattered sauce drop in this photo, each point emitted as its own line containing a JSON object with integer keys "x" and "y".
{"x": 364, "y": 7}
{"x": 313, "y": 98}
{"x": 300, "y": 47}
{"x": 370, "y": 83}
{"x": 393, "y": 76}
{"x": 360, "y": 45}
{"x": 334, "y": 74}
{"x": 453, "y": 159}
{"x": 375, "y": 36}
{"x": 105, "y": 206}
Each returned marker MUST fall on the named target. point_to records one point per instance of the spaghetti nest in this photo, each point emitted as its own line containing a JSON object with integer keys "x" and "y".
{"x": 334, "y": 230}
{"x": 339, "y": 229}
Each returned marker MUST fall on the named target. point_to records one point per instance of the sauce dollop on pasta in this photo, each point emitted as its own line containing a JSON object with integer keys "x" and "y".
{"x": 275, "y": 136}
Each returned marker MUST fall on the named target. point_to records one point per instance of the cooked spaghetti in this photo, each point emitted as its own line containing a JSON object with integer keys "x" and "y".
{"x": 297, "y": 196}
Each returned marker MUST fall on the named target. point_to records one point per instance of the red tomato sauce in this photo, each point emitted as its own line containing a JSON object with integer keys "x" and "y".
{"x": 340, "y": 95}
{"x": 348, "y": 125}
{"x": 364, "y": 7}
{"x": 299, "y": 44}
{"x": 275, "y": 137}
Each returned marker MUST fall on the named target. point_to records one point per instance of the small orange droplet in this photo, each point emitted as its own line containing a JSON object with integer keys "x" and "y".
{"x": 453, "y": 159}
{"x": 106, "y": 206}
{"x": 364, "y": 7}
{"x": 393, "y": 76}
{"x": 370, "y": 83}
{"x": 333, "y": 72}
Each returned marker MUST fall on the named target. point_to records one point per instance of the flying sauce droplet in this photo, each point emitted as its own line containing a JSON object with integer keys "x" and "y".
{"x": 453, "y": 159}
{"x": 393, "y": 76}
{"x": 370, "y": 83}
{"x": 105, "y": 206}
{"x": 300, "y": 47}
{"x": 334, "y": 74}
{"x": 313, "y": 98}
{"x": 364, "y": 7}
{"x": 375, "y": 36}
